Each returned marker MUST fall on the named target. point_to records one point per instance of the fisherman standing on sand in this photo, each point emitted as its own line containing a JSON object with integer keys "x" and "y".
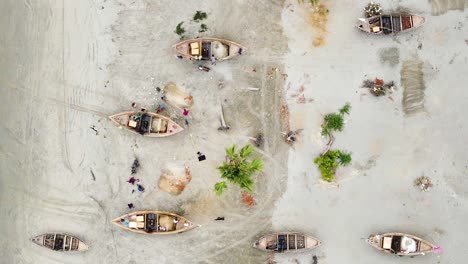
{"x": 213, "y": 60}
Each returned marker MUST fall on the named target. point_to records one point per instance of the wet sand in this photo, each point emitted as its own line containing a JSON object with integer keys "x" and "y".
{"x": 68, "y": 65}
{"x": 393, "y": 139}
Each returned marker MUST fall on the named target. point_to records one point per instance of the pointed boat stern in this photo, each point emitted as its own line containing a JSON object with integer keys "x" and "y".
{"x": 38, "y": 240}
{"x": 312, "y": 242}
{"x": 82, "y": 246}
{"x": 363, "y": 24}
{"x": 418, "y": 21}
{"x": 260, "y": 243}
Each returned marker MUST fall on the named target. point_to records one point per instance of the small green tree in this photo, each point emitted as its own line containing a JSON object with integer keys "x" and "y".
{"x": 180, "y": 30}
{"x": 329, "y": 160}
{"x": 335, "y": 121}
{"x": 203, "y": 28}
{"x": 237, "y": 169}
{"x": 199, "y": 16}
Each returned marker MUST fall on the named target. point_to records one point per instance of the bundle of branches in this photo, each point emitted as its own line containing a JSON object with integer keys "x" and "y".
{"x": 423, "y": 183}
{"x": 373, "y": 9}
{"x": 378, "y": 87}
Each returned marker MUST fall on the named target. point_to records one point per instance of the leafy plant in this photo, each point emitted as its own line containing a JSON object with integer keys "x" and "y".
{"x": 220, "y": 187}
{"x": 180, "y": 30}
{"x": 237, "y": 169}
{"x": 203, "y": 28}
{"x": 199, "y": 15}
{"x": 344, "y": 158}
{"x": 329, "y": 162}
{"x": 335, "y": 121}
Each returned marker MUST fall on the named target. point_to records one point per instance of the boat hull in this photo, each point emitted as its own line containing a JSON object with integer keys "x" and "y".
{"x": 286, "y": 242}
{"x": 154, "y": 223}
{"x": 60, "y": 242}
{"x": 160, "y": 126}
{"x": 390, "y": 24}
{"x": 184, "y": 49}
{"x": 385, "y": 243}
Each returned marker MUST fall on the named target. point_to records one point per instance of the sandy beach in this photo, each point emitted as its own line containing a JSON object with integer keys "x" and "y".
{"x": 68, "y": 65}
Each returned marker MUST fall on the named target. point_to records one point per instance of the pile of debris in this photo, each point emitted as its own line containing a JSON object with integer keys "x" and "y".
{"x": 378, "y": 87}
{"x": 373, "y": 9}
{"x": 423, "y": 183}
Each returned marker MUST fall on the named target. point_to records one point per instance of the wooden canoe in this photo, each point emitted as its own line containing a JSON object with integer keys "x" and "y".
{"x": 60, "y": 242}
{"x": 154, "y": 223}
{"x": 401, "y": 244}
{"x": 286, "y": 242}
{"x": 390, "y": 24}
{"x": 147, "y": 124}
{"x": 205, "y": 48}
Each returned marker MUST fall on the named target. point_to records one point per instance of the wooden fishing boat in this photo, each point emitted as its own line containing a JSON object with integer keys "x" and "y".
{"x": 390, "y": 24}
{"x": 205, "y": 48}
{"x": 154, "y": 222}
{"x": 60, "y": 242}
{"x": 147, "y": 124}
{"x": 401, "y": 244}
{"x": 286, "y": 242}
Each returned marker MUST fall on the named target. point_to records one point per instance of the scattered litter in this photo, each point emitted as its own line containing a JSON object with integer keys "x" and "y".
{"x": 92, "y": 174}
{"x": 373, "y": 9}
{"x": 258, "y": 140}
{"x": 284, "y": 115}
{"x": 201, "y": 157}
{"x": 423, "y": 183}
{"x": 251, "y": 88}
{"x": 140, "y": 188}
{"x": 248, "y": 199}
{"x": 135, "y": 165}
{"x": 314, "y": 259}
{"x": 130, "y": 205}
{"x": 132, "y": 180}
{"x": 378, "y": 87}
{"x": 203, "y": 68}
{"x": 291, "y": 136}
{"x": 94, "y": 129}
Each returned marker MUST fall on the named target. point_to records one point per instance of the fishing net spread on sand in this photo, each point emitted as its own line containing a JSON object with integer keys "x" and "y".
{"x": 219, "y": 50}
{"x": 174, "y": 179}
{"x": 177, "y": 97}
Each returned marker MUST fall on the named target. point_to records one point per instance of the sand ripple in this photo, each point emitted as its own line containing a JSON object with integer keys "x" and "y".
{"x": 440, "y": 7}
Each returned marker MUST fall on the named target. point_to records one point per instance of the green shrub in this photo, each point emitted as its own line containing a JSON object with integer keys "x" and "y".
{"x": 329, "y": 162}
{"x": 335, "y": 121}
{"x": 203, "y": 28}
{"x": 180, "y": 30}
{"x": 238, "y": 169}
{"x": 199, "y": 15}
